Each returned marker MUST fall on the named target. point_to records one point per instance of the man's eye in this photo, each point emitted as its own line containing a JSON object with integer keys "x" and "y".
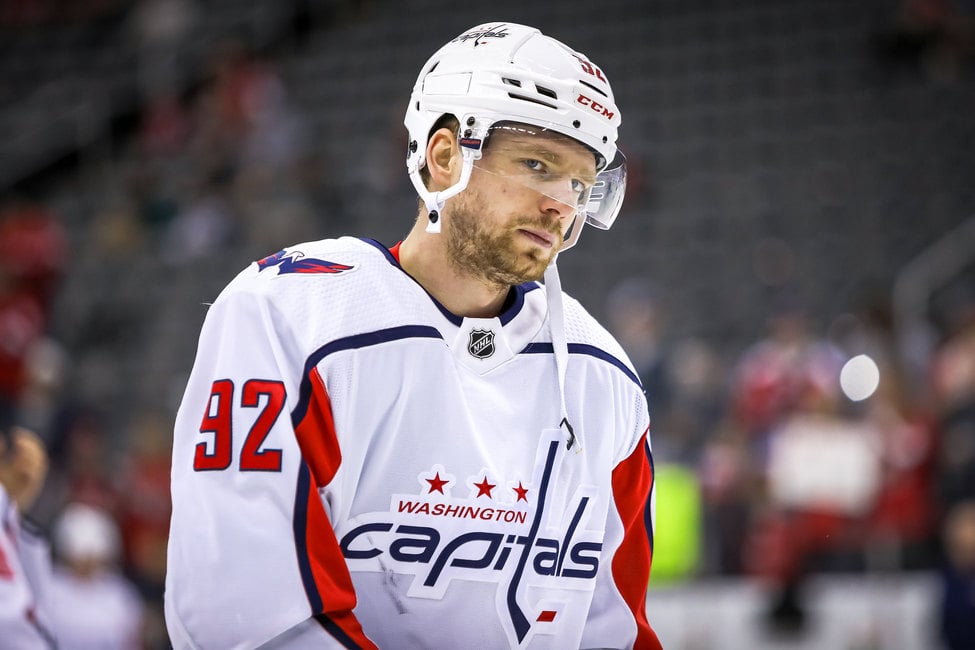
{"x": 534, "y": 165}
{"x": 581, "y": 187}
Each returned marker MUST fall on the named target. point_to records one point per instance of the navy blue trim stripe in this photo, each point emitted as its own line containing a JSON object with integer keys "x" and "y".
{"x": 456, "y": 320}
{"x": 647, "y": 510}
{"x": 300, "y": 527}
{"x": 586, "y": 349}
{"x": 521, "y": 623}
{"x": 351, "y": 343}
{"x": 303, "y": 487}
{"x": 382, "y": 249}
{"x": 509, "y": 314}
{"x": 336, "y": 632}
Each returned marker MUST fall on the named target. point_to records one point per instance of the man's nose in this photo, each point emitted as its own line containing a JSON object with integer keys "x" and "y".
{"x": 555, "y": 207}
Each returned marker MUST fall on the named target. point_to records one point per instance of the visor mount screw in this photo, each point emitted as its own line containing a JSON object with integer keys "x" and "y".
{"x": 467, "y": 133}
{"x": 576, "y": 123}
{"x": 412, "y": 146}
{"x": 470, "y": 121}
{"x": 434, "y": 216}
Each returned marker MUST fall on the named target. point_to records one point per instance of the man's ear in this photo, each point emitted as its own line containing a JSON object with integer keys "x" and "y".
{"x": 443, "y": 159}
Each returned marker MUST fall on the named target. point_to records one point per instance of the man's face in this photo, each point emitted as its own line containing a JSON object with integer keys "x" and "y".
{"x": 521, "y": 199}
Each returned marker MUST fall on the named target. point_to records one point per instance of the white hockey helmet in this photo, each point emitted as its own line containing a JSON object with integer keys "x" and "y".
{"x": 505, "y": 72}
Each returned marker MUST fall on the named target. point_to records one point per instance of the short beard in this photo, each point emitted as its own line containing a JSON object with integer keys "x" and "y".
{"x": 491, "y": 256}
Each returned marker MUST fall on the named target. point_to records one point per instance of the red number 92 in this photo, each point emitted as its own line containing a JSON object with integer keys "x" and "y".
{"x": 218, "y": 420}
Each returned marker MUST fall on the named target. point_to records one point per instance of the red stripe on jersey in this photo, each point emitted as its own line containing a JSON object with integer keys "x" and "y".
{"x": 320, "y": 449}
{"x": 632, "y": 482}
{"x": 394, "y": 251}
{"x": 6, "y": 572}
{"x": 316, "y": 434}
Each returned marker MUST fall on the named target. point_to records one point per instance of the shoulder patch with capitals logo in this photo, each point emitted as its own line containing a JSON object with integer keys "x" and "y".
{"x": 296, "y": 262}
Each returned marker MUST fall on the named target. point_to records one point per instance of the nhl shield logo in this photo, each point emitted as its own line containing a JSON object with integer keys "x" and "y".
{"x": 481, "y": 344}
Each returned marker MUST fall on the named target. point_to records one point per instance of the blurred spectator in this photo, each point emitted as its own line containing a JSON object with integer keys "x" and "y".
{"x": 771, "y": 374}
{"x": 274, "y": 131}
{"x": 242, "y": 84}
{"x": 263, "y": 196}
{"x": 953, "y": 364}
{"x": 904, "y": 513}
{"x": 33, "y": 248}
{"x": 240, "y": 107}
{"x": 144, "y": 512}
{"x": 823, "y": 473}
{"x": 697, "y": 396}
{"x": 821, "y": 457}
{"x": 165, "y": 125}
{"x": 205, "y": 226}
{"x": 315, "y": 180}
{"x": 41, "y": 396}
{"x": 116, "y": 235}
{"x": 94, "y": 604}
{"x": 956, "y": 457}
{"x": 728, "y": 485}
{"x": 25, "y": 563}
{"x": 161, "y": 30}
{"x": 634, "y": 316}
{"x": 81, "y": 462}
{"x": 849, "y": 486}
{"x": 953, "y": 378}
{"x": 958, "y": 576}
{"x": 22, "y": 325}
{"x": 152, "y": 192}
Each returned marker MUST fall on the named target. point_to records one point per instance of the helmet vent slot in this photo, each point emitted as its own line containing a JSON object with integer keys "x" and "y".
{"x": 546, "y": 91}
{"x": 589, "y": 85}
{"x": 531, "y": 99}
{"x": 511, "y": 82}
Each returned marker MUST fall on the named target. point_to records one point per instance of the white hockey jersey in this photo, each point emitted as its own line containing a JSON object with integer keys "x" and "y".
{"x": 354, "y": 466}
{"x": 25, "y": 575}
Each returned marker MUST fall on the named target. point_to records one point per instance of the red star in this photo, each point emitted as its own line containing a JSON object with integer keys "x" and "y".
{"x": 484, "y": 488}
{"x": 436, "y": 484}
{"x": 521, "y": 491}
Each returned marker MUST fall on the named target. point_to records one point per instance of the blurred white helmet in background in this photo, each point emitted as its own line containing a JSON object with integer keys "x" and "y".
{"x": 86, "y": 533}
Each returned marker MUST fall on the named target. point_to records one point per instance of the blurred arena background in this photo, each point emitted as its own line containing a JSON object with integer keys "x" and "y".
{"x": 802, "y": 209}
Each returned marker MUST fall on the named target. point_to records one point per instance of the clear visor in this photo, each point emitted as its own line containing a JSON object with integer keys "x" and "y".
{"x": 605, "y": 197}
{"x": 557, "y": 167}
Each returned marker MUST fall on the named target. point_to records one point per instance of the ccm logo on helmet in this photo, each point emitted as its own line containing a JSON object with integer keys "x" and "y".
{"x": 596, "y": 106}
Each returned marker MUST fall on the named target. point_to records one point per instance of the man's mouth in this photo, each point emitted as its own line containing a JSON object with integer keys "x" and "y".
{"x": 541, "y": 237}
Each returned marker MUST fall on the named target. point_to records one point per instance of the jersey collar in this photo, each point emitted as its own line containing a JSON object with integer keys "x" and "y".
{"x": 513, "y": 305}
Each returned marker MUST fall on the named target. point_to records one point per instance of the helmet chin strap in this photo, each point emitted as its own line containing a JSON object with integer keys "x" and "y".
{"x": 435, "y": 201}
{"x": 560, "y": 348}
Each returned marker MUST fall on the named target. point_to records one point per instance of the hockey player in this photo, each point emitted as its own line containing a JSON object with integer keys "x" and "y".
{"x": 25, "y": 562}
{"x": 423, "y": 446}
